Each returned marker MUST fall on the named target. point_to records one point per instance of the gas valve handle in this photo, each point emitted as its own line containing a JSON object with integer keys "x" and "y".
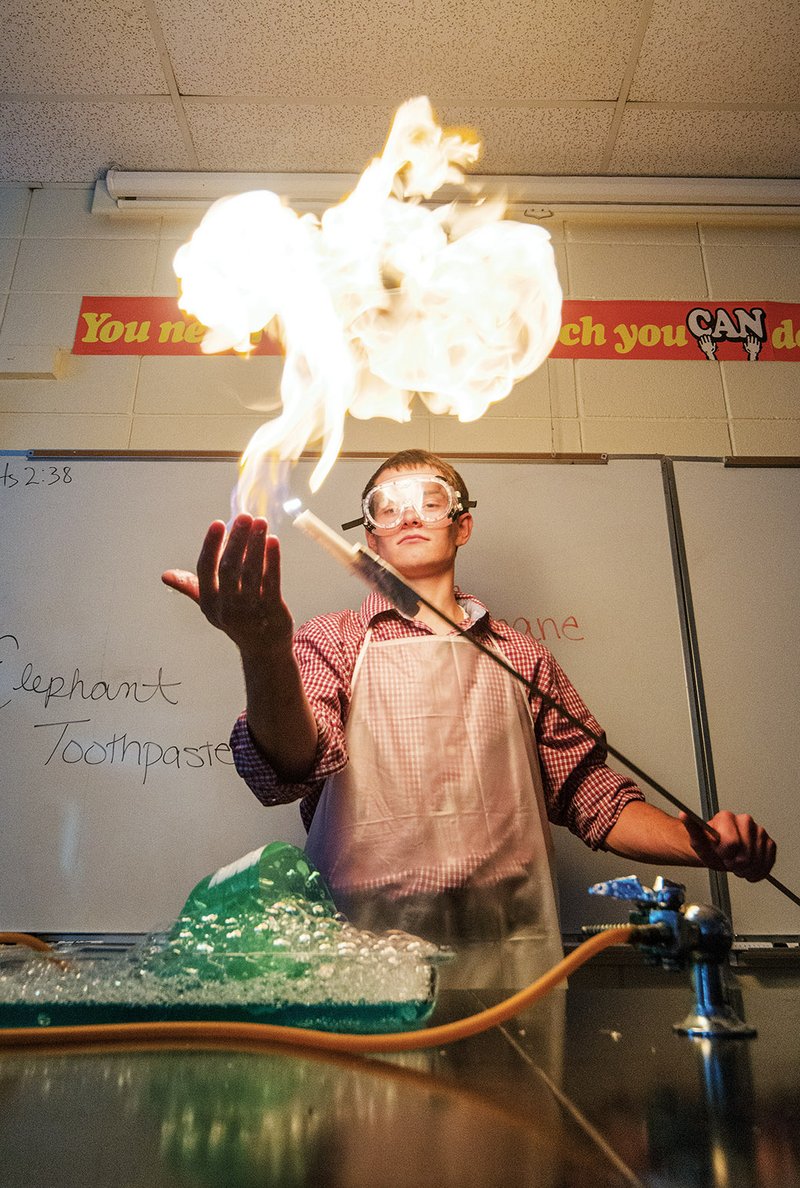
{"x": 664, "y": 893}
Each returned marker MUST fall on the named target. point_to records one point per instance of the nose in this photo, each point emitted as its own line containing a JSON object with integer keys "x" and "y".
{"x": 410, "y": 515}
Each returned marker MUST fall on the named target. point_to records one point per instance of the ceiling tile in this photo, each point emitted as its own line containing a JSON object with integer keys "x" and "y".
{"x": 73, "y": 141}
{"x": 321, "y": 138}
{"x": 736, "y": 51}
{"x": 305, "y": 49}
{"x": 673, "y": 142}
{"x": 537, "y": 140}
{"x": 95, "y": 47}
{"x": 545, "y": 50}
{"x": 282, "y": 138}
{"x": 310, "y": 49}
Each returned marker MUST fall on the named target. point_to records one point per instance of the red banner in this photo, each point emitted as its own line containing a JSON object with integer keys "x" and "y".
{"x": 145, "y": 326}
{"x": 729, "y": 331}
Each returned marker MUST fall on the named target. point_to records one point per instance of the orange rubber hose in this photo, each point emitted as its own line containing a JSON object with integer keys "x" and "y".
{"x": 32, "y": 942}
{"x": 267, "y": 1034}
{"x": 24, "y": 938}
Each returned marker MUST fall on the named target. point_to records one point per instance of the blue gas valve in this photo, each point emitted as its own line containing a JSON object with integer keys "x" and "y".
{"x": 676, "y": 936}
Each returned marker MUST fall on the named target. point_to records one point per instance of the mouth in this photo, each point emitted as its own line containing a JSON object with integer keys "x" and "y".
{"x": 411, "y": 538}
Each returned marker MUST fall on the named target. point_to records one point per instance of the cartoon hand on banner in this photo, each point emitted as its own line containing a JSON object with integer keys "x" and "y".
{"x": 752, "y": 346}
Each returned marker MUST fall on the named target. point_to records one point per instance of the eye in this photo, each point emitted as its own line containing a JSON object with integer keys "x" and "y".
{"x": 435, "y": 499}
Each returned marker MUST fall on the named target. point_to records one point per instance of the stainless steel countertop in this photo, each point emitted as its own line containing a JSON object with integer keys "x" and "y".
{"x": 589, "y": 1087}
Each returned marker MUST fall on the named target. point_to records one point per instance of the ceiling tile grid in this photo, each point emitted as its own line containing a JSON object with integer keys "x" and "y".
{"x": 309, "y": 49}
{"x": 647, "y": 87}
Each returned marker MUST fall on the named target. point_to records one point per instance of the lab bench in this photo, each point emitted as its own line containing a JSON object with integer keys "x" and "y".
{"x": 590, "y": 1086}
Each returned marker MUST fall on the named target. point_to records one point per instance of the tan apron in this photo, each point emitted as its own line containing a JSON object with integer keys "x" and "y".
{"x": 437, "y": 824}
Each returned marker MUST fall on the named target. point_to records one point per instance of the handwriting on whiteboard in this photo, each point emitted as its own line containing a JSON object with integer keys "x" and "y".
{"x": 71, "y": 746}
{"x": 48, "y": 685}
{"x": 548, "y": 630}
{"x": 32, "y": 475}
{"x": 79, "y": 740}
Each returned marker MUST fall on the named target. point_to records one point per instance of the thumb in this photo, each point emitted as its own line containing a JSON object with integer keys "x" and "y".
{"x": 183, "y": 581}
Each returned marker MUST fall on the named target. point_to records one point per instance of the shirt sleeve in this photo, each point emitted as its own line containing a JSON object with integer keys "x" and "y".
{"x": 581, "y": 791}
{"x": 325, "y": 659}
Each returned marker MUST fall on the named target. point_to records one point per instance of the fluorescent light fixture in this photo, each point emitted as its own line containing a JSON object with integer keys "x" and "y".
{"x": 149, "y": 193}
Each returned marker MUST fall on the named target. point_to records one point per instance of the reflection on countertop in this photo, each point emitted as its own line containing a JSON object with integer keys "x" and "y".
{"x": 589, "y": 1086}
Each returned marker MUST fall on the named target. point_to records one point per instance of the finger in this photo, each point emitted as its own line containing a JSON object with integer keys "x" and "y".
{"x": 737, "y": 835}
{"x": 183, "y": 581}
{"x": 207, "y": 566}
{"x": 745, "y": 848}
{"x": 770, "y": 854}
{"x": 759, "y": 859}
{"x": 253, "y": 565}
{"x": 230, "y": 563}
{"x": 272, "y": 573}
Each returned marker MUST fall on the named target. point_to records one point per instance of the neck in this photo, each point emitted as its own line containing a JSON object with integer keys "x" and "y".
{"x": 438, "y": 591}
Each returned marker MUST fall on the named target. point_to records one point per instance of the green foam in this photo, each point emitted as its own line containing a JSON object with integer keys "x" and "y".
{"x": 260, "y": 941}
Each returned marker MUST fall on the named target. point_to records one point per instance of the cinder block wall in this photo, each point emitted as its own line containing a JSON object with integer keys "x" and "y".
{"x": 53, "y": 251}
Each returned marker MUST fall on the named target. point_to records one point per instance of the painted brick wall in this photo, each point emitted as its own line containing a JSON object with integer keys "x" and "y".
{"x": 53, "y": 251}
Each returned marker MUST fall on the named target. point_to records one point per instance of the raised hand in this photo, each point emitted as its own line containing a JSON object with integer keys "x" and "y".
{"x": 238, "y": 585}
{"x": 751, "y": 347}
{"x": 707, "y": 346}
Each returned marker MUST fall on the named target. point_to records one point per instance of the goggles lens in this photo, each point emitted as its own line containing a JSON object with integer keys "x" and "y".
{"x": 431, "y": 497}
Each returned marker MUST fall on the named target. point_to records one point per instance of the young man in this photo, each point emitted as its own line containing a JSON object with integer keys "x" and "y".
{"x": 427, "y": 775}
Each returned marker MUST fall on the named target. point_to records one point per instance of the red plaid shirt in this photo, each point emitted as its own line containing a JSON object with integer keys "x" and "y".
{"x": 580, "y": 791}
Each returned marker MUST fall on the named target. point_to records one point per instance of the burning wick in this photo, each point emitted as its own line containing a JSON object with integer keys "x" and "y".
{"x": 357, "y": 559}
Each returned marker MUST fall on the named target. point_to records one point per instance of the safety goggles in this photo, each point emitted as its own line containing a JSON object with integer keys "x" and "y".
{"x": 429, "y": 495}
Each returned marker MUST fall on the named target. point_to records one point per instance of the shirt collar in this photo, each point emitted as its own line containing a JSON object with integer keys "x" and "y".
{"x": 376, "y": 605}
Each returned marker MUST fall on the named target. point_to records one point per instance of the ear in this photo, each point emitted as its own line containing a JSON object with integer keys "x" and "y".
{"x": 464, "y": 526}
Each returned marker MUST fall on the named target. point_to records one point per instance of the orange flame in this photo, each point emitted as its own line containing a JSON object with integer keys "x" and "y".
{"x": 380, "y": 300}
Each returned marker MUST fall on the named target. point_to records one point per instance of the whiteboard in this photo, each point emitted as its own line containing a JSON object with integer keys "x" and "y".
{"x": 741, "y": 529}
{"x": 118, "y": 788}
